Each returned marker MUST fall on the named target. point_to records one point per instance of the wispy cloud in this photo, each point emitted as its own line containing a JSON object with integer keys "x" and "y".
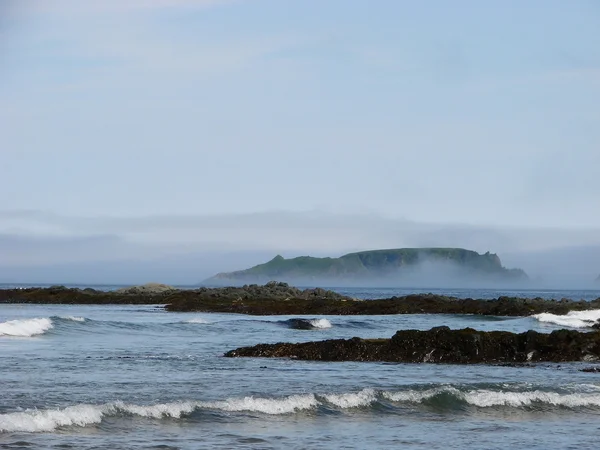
{"x": 308, "y": 231}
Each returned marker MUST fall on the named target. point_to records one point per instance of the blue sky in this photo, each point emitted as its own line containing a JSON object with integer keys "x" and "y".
{"x": 168, "y": 140}
{"x": 152, "y": 129}
{"x": 462, "y": 111}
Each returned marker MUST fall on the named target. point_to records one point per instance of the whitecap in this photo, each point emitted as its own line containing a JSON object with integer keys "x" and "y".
{"x": 485, "y": 398}
{"x": 25, "y": 327}
{"x": 82, "y": 415}
{"x": 413, "y": 396}
{"x": 353, "y": 399}
{"x": 175, "y": 409}
{"x": 32, "y": 421}
{"x": 321, "y": 323}
{"x": 573, "y": 319}
{"x": 35, "y": 420}
{"x": 73, "y": 318}
{"x": 273, "y": 406}
{"x": 197, "y": 320}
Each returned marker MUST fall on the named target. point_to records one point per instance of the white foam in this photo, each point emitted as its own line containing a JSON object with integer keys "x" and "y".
{"x": 84, "y": 414}
{"x": 415, "y": 396}
{"x": 73, "y": 318}
{"x": 285, "y": 405}
{"x": 485, "y": 398}
{"x": 32, "y": 421}
{"x": 25, "y": 327}
{"x": 352, "y": 400}
{"x": 175, "y": 409}
{"x": 197, "y": 320}
{"x": 573, "y": 319}
{"x": 321, "y": 323}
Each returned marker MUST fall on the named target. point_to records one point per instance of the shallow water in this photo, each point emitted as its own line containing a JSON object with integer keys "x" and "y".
{"x": 138, "y": 377}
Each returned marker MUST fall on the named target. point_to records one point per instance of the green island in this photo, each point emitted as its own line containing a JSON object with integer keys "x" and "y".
{"x": 394, "y": 265}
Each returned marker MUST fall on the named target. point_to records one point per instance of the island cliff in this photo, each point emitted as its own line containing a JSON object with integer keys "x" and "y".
{"x": 405, "y": 265}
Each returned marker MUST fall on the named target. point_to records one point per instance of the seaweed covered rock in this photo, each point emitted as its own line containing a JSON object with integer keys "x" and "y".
{"x": 251, "y": 299}
{"x": 146, "y": 289}
{"x": 442, "y": 345}
{"x": 259, "y": 300}
{"x": 276, "y": 298}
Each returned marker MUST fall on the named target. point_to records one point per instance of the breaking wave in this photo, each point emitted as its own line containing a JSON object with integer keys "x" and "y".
{"x": 73, "y": 318}
{"x": 485, "y": 398}
{"x": 573, "y": 319}
{"x": 32, "y": 421}
{"x": 197, "y": 320}
{"x": 449, "y": 397}
{"x": 321, "y": 323}
{"x": 25, "y": 327}
{"x": 352, "y": 400}
{"x": 308, "y": 324}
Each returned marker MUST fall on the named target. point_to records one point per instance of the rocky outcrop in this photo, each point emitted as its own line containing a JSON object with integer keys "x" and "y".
{"x": 146, "y": 289}
{"x": 317, "y": 302}
{"x": 228, "y": 299}
{"x": 442, "y": 345}
{"x": 72, "y": 296}
{"x": 282, "y": 299}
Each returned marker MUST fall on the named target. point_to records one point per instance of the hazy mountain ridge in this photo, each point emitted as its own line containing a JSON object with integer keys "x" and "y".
{"x": 392, "y": 265}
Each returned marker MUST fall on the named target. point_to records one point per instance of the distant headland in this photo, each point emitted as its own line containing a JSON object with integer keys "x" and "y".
{"x": 396, "y": 266}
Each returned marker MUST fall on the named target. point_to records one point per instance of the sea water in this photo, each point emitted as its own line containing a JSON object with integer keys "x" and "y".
{"x": 111, "y": 377}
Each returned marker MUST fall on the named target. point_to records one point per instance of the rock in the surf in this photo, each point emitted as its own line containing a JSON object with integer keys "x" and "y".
{"x": 442, "y": 345}
{"x": 308, "y": 324}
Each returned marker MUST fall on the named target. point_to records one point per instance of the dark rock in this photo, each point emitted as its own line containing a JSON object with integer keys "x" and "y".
{"x": 259, "y": 300}
{"x": 281, "y": 299}
{"x": 300, "y": 324}
{"x": 442, "y": 345}
{"x": 250, "y": 299}
{"x": 591, "y": 369}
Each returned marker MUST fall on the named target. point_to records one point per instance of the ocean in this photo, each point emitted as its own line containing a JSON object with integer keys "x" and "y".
{"x": 129, "y": 377}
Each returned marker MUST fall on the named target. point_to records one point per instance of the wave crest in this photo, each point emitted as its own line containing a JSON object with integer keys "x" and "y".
{"x": 25, "y": 327}
{"x": 32, "y": 421}
{"x": 321, "y": 323}
{"x": 73, "y": 318}
{"x": 49, "y": 420}
{"x": 352, "y": 400}
{"x": 446, "y": 396}
{"x": 197, "y": 320}
{"x": 573, "y": 319}
{"x": 267, "y": 405}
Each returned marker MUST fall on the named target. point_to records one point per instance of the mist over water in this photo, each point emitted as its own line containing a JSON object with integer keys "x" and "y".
{"x": 186, "y": 250}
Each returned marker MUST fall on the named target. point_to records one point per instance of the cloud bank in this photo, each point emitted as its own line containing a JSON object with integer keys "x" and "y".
{"x": 190, "y": 248}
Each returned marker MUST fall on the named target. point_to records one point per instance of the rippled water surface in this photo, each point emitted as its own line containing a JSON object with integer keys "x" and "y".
{"x": 138, "y": 377}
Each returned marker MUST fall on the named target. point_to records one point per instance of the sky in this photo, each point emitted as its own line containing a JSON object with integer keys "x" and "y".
{"x": 118, "y": 118}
